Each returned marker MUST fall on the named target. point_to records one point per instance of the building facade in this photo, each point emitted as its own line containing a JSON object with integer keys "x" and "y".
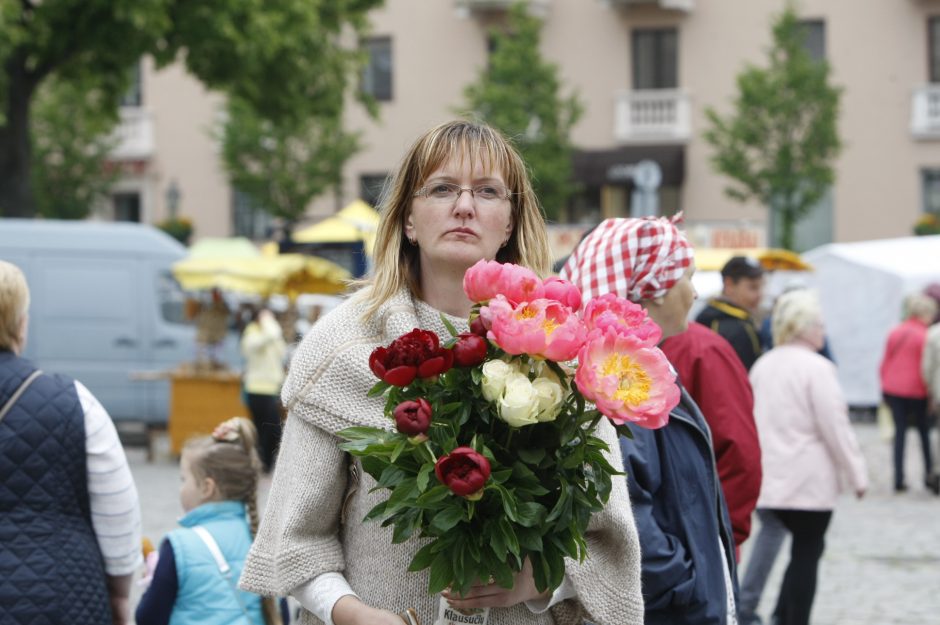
{"x": 645, "y": 70}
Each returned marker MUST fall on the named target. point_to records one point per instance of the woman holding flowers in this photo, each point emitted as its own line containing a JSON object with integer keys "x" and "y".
{"x": 461, "y": 195}
{"x": 688, "y": 568}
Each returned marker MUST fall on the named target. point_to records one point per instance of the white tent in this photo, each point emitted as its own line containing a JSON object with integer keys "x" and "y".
{"x": 862, "y": 287}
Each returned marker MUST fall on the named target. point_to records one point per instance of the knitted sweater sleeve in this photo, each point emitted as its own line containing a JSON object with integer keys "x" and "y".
{"x": 608, "y": 581}
{"x": 299, "y": 534}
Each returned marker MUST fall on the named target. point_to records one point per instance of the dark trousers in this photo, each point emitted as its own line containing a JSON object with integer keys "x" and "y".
{"x": 907, "y": 410}
{"x": 266, "y": 413}
{"x": 808, "y": 532}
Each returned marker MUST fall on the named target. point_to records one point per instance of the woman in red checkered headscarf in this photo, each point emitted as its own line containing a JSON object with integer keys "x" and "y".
{"x": 688, "y": 566}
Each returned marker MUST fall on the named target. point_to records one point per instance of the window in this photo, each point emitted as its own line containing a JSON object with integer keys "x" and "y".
{"x": 371, "y": 187}
{"x": 134, "y": 96}
{"x": 930, "y": 182}
{"x": 814, "y": 38}
{"x": 249, "y": 219}
{"x": 655, "y": 58}
{"x": 126, "y": 206}
{"x": 933, "y": 46}
{"x": 377, "y": 75}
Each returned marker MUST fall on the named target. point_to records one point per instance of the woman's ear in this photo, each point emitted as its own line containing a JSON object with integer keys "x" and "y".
{"x": 409, "y": 227}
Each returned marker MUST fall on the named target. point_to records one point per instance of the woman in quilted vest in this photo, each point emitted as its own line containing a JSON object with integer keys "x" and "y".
{"x": 218, "y": 492}
{"x": 461, "y": 194}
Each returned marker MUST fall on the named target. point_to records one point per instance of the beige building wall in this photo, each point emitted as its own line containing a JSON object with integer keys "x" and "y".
{"x": 877, "y": 48}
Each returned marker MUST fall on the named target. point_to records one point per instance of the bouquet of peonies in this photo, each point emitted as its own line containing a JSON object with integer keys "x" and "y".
{"x": 494, "y": 458}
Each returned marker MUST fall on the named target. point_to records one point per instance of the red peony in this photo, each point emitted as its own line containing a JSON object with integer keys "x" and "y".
{"x": 464, "y": 471}
{"x": 469, "y": 350}
{"x": 416, "y": 354}
{"x": 413, "y": 417}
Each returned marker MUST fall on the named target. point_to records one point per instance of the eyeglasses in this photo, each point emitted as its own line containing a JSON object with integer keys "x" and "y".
{"x": 448, "y": 192}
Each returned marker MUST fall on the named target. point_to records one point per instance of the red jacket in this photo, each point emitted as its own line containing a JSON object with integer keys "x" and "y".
{"x": 711, "y": 371}
{"x": 900, "y": 370}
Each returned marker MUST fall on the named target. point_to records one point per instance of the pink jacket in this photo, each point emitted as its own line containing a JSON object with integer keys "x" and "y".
{"x": 807, "y": 443}
{"x": 900, "y": 371}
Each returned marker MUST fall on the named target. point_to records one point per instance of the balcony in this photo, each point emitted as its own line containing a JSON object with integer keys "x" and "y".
{"x": 134, "y": 135}
{"x": 655, "y": 115}
{"x": 925, "y": 112}
{"x": 671, "y": 5}
{"x": 465, "y": 8}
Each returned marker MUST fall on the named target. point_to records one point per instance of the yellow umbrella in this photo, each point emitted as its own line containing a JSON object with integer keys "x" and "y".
{"x": 714, "y": 258}
{"x": 356, "y": 222}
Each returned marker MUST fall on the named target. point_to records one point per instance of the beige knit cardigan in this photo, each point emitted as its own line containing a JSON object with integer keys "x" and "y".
{"x": 313, "y": 521}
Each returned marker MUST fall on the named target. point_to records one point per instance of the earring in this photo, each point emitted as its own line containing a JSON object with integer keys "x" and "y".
{"x": 414, "y": 242}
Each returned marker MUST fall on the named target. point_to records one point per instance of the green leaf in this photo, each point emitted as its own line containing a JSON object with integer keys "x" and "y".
{"x": 509, "y": 536}
{"x": 402, "y": 445}
{"x": 531, "y": 456}
{"x": 391, "y": 476}
{"x": 432, "y": 497}
{"x": 447, "y": 324}
{"x": 405, "y": 525}
{"x": 531, "y": 513}
{"x": 423, "y": 558}
{"x": 624, "y": 430}
{"x": 378, "y": 389}
{"x": 403, "y": 496}
{"x": 530, "y": 539}
{"x": 424, "y": 476}
{"x": 376, "y": 512}
{"x": 447, "y": 518}
{"x": 442, "y": 573}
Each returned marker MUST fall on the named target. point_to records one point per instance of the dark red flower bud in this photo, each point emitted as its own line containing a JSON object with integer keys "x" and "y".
{"x": 463, "y": 471}
{"x": 469, "y": 350}
{"x": 478, "y": 327}
{"x": 413, "y": 417}
{"x": 416, "y": 354}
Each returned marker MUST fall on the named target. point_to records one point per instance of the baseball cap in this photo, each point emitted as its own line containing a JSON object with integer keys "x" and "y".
{"x": 742, "y": 267}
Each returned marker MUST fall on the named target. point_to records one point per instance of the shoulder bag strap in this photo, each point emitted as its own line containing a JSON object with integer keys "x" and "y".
{"x": 221, "y": 562}
{"x": 18, "y": 392}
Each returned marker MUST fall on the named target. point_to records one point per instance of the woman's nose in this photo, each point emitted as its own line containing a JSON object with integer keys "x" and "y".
{"x": 464, "y": 205}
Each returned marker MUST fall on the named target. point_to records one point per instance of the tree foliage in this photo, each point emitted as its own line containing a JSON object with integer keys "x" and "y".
{"x": 280, "y": 57}
{"x": 779, "y": 143}
{"x": 519, "y": 93}
{"x": 282, "y": 164}
{"x": 72, "y": 136}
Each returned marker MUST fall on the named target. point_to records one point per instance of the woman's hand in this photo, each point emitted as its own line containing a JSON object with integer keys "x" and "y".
{"x": 349, "y": 610}
{"x": 493, "y": 596}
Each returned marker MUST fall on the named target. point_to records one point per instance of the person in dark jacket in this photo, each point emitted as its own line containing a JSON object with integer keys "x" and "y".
{"x": 61, "y": 465}
{"x": 688, "y": 565}
{"x": 732, "y": 314}
{"x": 715, "y": 378}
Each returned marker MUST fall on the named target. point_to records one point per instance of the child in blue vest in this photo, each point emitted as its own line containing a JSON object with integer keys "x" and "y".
{"x": 218, "y": 492}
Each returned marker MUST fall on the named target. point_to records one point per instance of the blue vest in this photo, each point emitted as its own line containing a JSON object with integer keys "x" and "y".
{"x": 51, "y": 569}
{"x": 203, "y": 596}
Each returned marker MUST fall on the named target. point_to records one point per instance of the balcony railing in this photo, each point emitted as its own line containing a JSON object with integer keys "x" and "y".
{"x": 134, "y": 135}
{"x": 466, "y": 7}
{"x": 652, "y": 115}
{"x": 925, "y": 112}
{"x": 674, "y": 5}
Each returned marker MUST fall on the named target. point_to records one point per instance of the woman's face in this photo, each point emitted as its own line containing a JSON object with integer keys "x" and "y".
{"x": 672, "y": 311}
{"x": 456, "y": 233}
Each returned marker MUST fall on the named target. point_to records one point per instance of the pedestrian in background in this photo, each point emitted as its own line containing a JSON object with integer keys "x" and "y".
{"x": 69, "y": 514}
{"x": 264, "y": 350}
{"x": 930, "y": 368}
{"x": 732, "y": 313}
{"x": 687, "y": 548}
{"x": 194, "y": 582}
{"x": 903, "y": 385}
{"x": 807, "y": 444}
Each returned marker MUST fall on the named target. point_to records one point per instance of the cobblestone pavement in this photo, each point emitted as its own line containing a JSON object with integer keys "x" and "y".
{"x": 882, "y": 559}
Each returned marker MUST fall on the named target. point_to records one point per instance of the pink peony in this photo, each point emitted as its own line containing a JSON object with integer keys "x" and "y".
{"x": 627, "y": 380}
{"x": 623, "y": 316}
{"x": 518, "y": 284}
{"x": 541, "y": 328}
{"x": 481, "y": 282}
{"x": 563, "y": 292}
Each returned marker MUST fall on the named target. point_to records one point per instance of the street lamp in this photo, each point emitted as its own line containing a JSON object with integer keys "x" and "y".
{"x": 173, "y": 196}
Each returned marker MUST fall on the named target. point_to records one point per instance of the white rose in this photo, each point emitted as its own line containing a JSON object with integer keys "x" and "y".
{"x": 519, "y": 404}
{"x": 495, "y": 373}
{"x": 550, "y": 397}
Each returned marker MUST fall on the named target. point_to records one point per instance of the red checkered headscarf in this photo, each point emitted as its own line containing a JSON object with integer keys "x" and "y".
{"x": 634, "y": 258}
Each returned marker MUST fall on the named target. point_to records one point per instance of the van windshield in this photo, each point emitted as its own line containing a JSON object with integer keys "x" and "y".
{"x": 172, "y": 299}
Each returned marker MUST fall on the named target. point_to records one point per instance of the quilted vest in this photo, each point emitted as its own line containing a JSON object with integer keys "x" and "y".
{"x": 51, "y": 570}
{"x": 203, "y": 596}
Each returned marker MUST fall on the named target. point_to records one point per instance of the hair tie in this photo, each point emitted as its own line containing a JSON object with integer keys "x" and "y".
{"x": 226, "y": 432}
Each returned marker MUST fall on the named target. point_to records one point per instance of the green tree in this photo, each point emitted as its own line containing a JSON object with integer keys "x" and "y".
{"x": 284, "y": 163}
{"x": 519, "y": 93}
{"x": 779, "y": 144}
{"x": 280, "y": 57}
{"x": 72, "y": 136}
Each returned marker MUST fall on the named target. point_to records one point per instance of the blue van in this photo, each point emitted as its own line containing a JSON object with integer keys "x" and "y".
{"x": 105, "y": 308}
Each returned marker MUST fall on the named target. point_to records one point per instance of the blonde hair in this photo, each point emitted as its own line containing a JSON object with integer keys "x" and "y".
{"x": 793, "y": 314}
{"x": 921, "y": 306}
{"x": 396, "y": 264}
{"x": 14, "y": 305}
{"x": 230, "y": 458}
